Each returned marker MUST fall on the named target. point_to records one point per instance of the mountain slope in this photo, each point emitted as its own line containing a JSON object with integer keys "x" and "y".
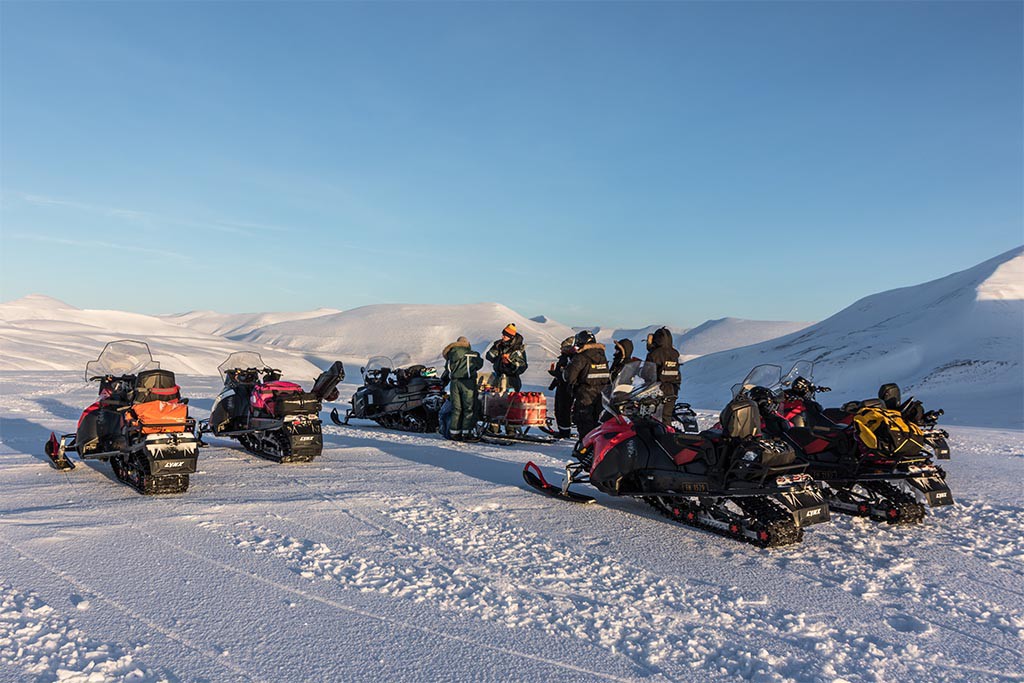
{"x": 237, "y": 325}
{"x": 41, "y": 333}
{"x": 419, "y": 330}
{"x": 956, "y": 342}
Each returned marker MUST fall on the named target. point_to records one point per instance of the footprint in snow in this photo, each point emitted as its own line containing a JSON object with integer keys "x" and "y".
{"x": 904, "y": 623}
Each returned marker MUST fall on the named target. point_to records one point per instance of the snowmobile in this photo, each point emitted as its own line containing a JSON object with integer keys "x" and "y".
{"x": 735, "y": 481}
{"x": 139, "y": 424}
{"x": 912, "y": 410}
{"x": 875, "y": 464}
{"x": 404, "y": 398}
{"x": 271, "y": 418}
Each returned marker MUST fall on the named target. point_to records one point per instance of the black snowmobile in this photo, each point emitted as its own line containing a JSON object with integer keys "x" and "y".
{"x": 873, "y": 462}
{"x": 140, "y": 423}
{"x": 270, "y": 418}
{"x": 404, "y": 398}
{"x": 735, "y": 482}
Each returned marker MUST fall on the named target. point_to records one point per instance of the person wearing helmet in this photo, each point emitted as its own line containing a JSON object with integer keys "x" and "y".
{"x": 588, "y": 375}
{"x": 563, "y": 392}
{"x": 664, "y": 356}
{"x": 508, "y": 356}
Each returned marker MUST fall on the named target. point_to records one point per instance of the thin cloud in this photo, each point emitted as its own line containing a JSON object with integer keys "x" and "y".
{"x": 96, "y": 245}
{"x": 236, "y": 227}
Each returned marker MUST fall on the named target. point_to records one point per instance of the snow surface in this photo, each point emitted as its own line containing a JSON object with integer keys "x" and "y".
{"x": 403, "y": 557}
{"x": 235, "y": 325}
{"x": 956, "y": 343}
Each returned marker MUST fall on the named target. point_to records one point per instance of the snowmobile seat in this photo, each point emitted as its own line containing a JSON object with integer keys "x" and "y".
{"x": 741, "y": 419}
{"x": 156, "y": 385}
{"x": 890, "y": 396}
{"x": 326, "y": 384}
{"x": 688, "y": 448}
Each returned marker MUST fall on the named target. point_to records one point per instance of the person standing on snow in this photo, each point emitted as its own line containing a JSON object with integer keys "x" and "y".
{"x": 461, "y": 364}
{"x": 664, "y": 356}
{"x": 563, "y": 392}
{"x": 508, "y": 355}
{"x": 588, "y": 375}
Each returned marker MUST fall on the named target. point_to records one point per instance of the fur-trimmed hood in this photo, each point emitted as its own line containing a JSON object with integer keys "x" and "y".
{"x": 461, "y": 341}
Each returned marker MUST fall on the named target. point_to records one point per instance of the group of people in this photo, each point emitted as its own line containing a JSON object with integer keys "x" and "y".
{"x": 580, "y": 375}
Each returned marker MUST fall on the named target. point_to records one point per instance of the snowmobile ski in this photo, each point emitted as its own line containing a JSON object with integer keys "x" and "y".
{"x": 56, "y": 451}
{"x": 533, "y": 476}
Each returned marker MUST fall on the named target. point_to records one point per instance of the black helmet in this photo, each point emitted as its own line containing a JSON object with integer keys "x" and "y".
{"x": 802, "y": 387}
{"x": 584, "y": 337}
{"x": 765, "y": 400}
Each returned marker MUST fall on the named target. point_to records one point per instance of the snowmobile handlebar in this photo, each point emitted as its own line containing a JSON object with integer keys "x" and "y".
{"x": 822, "y": 389}
{"x": 121, "y": 378}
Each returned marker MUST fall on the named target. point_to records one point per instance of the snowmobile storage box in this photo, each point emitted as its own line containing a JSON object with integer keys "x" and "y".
{"x": 296, "y": 403}
{"x": 741, "y": 419}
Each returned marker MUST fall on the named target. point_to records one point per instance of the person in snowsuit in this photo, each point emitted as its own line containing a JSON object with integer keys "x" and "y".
{"x": 508, "y": 355}
{"x": 664, "y": 356}
{"x": 461, "y": 364}
{"x": 588, "y": 375}
{"x": 563, "y": 392}
{"x": 623, "y": 355}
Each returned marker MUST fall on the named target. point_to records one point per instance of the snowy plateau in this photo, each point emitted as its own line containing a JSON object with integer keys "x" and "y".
{"x": 404, "y": 557}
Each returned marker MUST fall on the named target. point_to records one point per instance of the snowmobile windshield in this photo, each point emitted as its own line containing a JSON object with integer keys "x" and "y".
{"x": 801, "y": 368}
{"x": 637, "y": 381}
{"x": 761, "y": 376}
{"x": 121, "y": 358}
{"x": 378, "y": 363}
{"x": 241, "y": 360}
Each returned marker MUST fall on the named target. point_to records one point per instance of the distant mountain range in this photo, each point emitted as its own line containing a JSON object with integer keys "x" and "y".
{"x": 955, "y": 342}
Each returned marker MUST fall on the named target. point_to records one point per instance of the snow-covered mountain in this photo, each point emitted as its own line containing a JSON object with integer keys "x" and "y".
{"x": 237, "y": 325}
{"x": 41, "y": 333}
{"x": 710, "y": 336}
{"x": 956, "y": 342}
{"x": 419, "y": 330}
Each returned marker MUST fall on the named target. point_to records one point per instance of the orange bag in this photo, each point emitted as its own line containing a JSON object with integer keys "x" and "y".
{"x": 161, "y": 417}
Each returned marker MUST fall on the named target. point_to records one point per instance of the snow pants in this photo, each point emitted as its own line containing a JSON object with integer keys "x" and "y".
{"x": 463, "y": 398}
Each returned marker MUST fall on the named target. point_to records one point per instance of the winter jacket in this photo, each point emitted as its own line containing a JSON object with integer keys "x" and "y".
{"x": 623, "y": 354}
{"x": 587, "y": 374}
{"x": 461, "y": 361}
{"x": 666, "y": 359}
{"x": 516, "y": 351}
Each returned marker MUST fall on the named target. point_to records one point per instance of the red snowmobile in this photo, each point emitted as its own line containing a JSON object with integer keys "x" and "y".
{"x": 735, "y": 482}
{"x": 140, "y": 424}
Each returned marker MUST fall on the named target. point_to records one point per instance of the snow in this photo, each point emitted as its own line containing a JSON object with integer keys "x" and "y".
{"x": 236, "y": 325}
{"x": 408, "y": 558}
{"x": 956, "y": 343}
{"x": 41, "y": 333}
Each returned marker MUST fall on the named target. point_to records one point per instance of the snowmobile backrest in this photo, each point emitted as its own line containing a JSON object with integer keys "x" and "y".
{"x": 741, "y": 418}
{"x": 328, "y": 380}
{"x": 156, "y": 385}
{"x": 889, "y": 394}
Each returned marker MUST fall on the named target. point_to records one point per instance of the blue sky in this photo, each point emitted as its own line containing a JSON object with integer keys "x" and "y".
{"x": 614, "y": 163}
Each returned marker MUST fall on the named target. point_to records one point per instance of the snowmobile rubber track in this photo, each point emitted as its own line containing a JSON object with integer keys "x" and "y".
{"x": 901, "y": 508}
{"x": 283, "y": 452}
{"x": 138, "y": 477}
{"x": 773, "y": 524}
